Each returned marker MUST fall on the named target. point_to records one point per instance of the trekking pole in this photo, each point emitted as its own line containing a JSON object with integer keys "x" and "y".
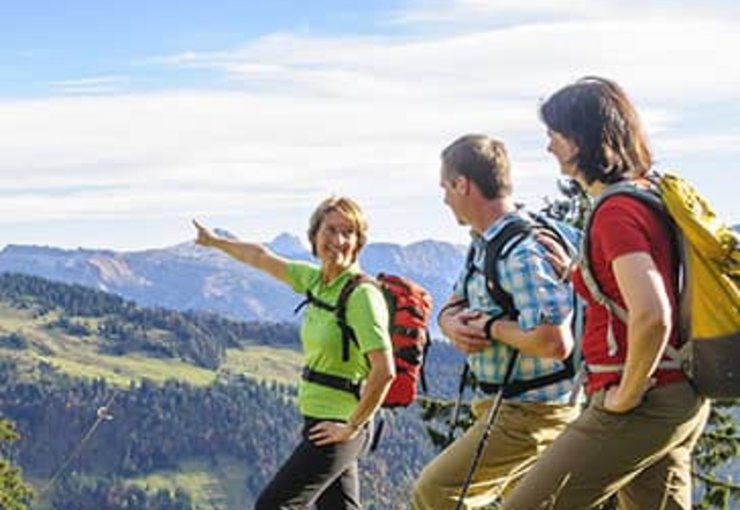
{"x": 490, "y": 420}
{"x": 458, "y": 402}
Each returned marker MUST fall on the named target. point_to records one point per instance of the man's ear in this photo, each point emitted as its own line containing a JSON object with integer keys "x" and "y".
{"x": 462, "y": 184}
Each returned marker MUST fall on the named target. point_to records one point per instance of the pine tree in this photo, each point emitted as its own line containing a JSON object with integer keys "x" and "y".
{"x": 715, "y": 456}
{"x": 14, "y": 493}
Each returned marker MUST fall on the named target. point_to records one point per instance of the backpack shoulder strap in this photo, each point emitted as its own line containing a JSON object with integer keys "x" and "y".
{"x": 496, "y": 249}
{"x": 469, "y": 270}
{"x": 348, "y": 334}
{"x": 310, "y": 299}
{"x": 648, "y": 197}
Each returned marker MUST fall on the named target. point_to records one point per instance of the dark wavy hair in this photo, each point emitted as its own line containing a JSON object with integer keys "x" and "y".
{"x": 596, "y": 115}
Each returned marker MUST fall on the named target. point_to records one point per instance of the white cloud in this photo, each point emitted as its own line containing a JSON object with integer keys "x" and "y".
{"x": 672, "y": 55}
{"x": 90, "y": 85}
{"x": 484, "y": 13}
{"x": 308, "y": 116}
{"x": 705, "y": 145}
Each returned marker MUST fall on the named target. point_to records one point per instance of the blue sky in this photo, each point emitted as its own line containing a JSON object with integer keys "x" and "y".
{"x": 121, "y": 120}
{"x": 47, "y": 42}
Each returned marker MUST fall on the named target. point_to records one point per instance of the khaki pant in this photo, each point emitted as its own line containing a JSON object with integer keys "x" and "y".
{"x": 521, "y": 432}
{"x": 644, "y": 456}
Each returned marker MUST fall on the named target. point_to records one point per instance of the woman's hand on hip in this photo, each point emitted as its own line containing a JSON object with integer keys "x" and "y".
{"x": 616, "y": 401}
{"x": 329, "y": 432}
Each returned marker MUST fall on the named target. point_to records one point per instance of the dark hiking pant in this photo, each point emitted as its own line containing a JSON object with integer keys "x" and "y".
{"x": 326, "y": 476}
{"x": 643, "y": 456}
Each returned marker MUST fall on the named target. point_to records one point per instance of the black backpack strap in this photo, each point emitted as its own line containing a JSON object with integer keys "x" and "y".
{"x": 339, "y": 309}
{"x": 424, "y": 358}
{"x": 332, "y": 381}
{"x": 499, "y": 248}
{"x": 493, "y": 250}
{"x": 310, "y": 299}
{"x": 469, "y": 271}
{"x": 348, "y": 334}
{"x": 518, "y": 387}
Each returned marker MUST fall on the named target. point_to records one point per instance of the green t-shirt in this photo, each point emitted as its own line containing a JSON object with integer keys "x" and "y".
{"x": 367, "y": 314}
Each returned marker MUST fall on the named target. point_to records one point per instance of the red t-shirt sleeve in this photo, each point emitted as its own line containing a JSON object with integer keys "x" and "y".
{"x": 625, "y": 226}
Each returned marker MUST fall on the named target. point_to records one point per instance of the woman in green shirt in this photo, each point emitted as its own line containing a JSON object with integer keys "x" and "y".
{"x": 323, "y": 467}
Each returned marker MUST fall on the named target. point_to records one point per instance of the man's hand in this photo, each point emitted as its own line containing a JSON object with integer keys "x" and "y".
{"x": 458, "y": 325}
{"x": 482, "y": 321}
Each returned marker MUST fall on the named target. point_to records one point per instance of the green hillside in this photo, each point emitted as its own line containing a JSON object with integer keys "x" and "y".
{"x": 216, "y": 484}
{"x": 124, "y": 407}
{"x": 86, "y": 333}
{"x": 121, "y": 406}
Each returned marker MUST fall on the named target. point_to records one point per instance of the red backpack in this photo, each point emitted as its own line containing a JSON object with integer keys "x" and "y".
{"x": 409, "y": 310}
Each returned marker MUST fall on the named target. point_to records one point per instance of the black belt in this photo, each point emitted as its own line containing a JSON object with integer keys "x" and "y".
{"x": 332, "y": 381}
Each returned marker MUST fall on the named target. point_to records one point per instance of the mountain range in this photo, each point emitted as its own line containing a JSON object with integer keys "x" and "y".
{"x": 190, "y": 277}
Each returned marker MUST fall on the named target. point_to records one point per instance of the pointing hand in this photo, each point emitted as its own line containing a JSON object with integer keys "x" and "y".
{"x": 204, "y": 236}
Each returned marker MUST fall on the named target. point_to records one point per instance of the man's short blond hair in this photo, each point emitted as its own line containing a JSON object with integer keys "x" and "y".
{"x": 481, "y": 159}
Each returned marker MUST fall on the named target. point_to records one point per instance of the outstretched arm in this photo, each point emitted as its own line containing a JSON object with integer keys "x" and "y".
{"x": 253, "y": 254}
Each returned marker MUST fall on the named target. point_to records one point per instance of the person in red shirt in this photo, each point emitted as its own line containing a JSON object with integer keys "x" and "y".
{"x": 643, "y": 418}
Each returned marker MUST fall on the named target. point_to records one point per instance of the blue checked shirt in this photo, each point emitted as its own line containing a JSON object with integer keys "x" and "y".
{"x": 539, "y": 297}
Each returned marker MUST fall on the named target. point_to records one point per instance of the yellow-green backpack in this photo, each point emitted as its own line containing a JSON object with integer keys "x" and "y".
{"x": 709, "y": 251}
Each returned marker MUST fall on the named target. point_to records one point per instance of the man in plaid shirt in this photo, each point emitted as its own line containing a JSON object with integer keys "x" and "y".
{"x": 476, "y": 180}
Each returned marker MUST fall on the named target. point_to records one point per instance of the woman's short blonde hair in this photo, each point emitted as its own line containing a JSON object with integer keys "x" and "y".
{"x": 347, "y": 208}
